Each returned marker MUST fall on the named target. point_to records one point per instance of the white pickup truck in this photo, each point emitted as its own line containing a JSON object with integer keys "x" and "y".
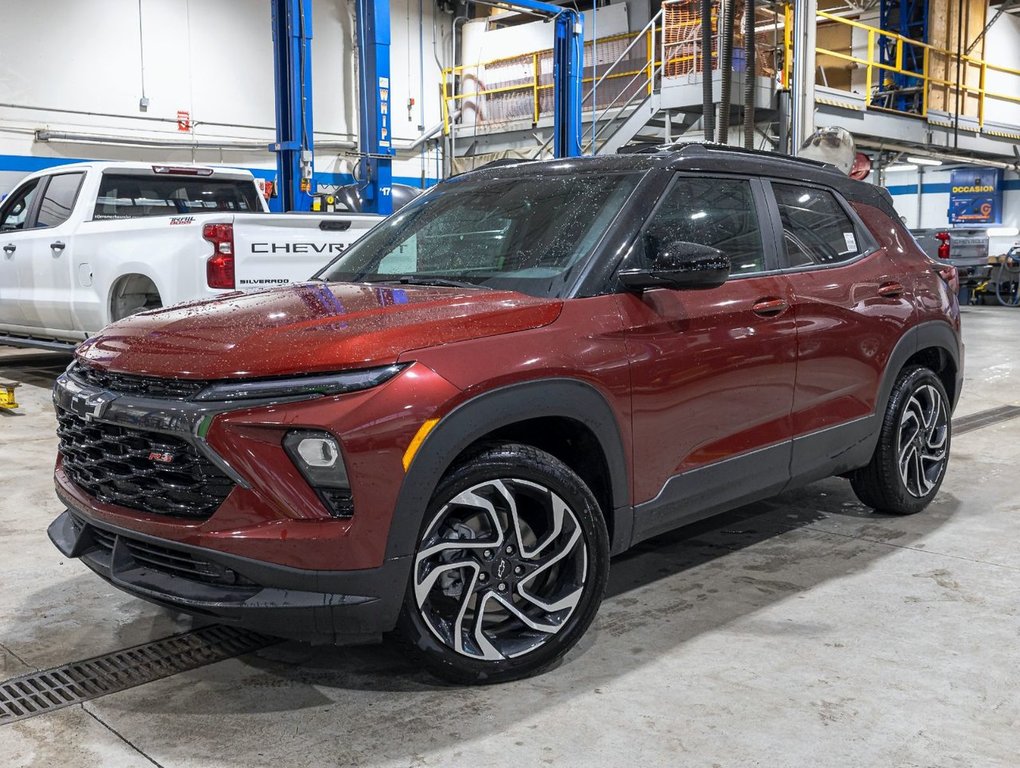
{"x": 84, "y": 244}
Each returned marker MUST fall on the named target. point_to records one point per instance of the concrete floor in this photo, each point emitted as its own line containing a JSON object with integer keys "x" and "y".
{"x": 805, "y": 631}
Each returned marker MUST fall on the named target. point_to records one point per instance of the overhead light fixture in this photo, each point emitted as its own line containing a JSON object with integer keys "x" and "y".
{"x": 901, "y": 167}
{"x": 1002, "y": 231}
{"x": 924, "y": 161}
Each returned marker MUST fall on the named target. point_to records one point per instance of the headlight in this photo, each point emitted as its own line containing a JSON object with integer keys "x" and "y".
{"x": 333, "y": 384}
{"x": 317, "y": 456}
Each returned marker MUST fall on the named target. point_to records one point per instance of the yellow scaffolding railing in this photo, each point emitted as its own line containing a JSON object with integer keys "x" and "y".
{"x": 475, "y": 82}
{"x": 471, "y": 79}
{"x": 872, "y": 65}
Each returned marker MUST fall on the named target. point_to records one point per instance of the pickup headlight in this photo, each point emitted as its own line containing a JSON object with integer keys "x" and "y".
{"x": 332, "y": 384}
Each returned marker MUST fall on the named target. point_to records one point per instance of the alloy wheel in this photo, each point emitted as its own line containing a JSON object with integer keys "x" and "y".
{"x": 500, "y": 569}
{"x": 922, "y": 446}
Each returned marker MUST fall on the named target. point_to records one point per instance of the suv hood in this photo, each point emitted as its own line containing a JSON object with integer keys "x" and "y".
{"x": 307, "y": 328}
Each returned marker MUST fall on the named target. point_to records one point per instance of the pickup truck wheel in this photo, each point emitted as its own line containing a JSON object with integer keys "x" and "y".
{"x": 910, "y": 460}
{"x": 133, "y": 294}
{"x": 510, "y": 567}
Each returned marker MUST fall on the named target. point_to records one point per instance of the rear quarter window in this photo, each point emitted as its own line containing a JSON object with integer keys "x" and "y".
{"x": 816, "y": 228}
{"x": 128, "y": 196}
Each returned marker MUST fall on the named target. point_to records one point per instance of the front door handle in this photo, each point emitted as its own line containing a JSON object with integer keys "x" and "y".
{"x": 890, "y": 290}
{"x": 10, "y": 248}
{"x": 57, "y": 245}
{"x": 770, "y": 307}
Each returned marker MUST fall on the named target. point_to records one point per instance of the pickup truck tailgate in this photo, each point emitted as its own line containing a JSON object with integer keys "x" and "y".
{"x": 287, "y": 248}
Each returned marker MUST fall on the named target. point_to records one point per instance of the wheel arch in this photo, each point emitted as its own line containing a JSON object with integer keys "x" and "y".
{"x": 519, "y": 413}
{"x": 140, "y": 277}
{"x": 934, "y": 343}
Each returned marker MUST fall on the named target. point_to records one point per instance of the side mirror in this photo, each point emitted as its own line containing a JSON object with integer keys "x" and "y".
{"x": 680, "y": 264}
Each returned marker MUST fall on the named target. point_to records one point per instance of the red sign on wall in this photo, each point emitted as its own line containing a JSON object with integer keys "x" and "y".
{"x": 183, "y": 120}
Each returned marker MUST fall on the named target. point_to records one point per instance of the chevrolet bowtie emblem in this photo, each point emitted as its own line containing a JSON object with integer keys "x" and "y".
{"x": 91, "y": 406}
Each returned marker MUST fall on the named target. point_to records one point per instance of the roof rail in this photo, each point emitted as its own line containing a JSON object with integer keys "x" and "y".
{"x": 695, "y": 148}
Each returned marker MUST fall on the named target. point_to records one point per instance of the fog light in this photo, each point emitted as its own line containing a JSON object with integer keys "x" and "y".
{"x": 319, "y": 451}
{"x": 318, "y": 457}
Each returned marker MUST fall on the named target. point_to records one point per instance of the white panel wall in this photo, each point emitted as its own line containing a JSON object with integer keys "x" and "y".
{"x": 76, "y": 67}
{"x": 1003, "y": 49}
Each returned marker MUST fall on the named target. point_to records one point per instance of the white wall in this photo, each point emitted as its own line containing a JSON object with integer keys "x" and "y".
{"x": 1002, "y": 48}
{"x": 76, "y": 67}
{"x": 935, "y": 202}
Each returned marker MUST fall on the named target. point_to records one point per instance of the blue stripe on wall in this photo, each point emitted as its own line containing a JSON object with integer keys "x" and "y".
{"x": 30, "y": 164}
{"x": 935, "y": 188}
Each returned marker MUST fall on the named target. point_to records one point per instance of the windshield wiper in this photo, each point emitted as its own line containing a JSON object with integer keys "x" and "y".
{"x": 440, "y": 281}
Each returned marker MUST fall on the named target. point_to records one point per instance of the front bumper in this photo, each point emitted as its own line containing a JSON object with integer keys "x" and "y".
{"x": 318, "y": 606}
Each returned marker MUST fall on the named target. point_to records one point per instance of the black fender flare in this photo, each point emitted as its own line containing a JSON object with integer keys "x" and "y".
{"x": 477, "y": 417}
{"x": 934, "y": 334}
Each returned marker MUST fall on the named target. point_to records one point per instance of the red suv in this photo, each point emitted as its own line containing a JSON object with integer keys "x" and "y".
{"x": 525, "y": 371}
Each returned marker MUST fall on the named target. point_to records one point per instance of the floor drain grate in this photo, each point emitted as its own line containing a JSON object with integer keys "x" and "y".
{"x": 981, "y": 419}
{"x": 40, "y": 692}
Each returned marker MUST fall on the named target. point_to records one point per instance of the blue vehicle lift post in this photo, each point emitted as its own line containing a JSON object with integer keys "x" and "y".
{"x": 292, "y": 61}
{"x": 373, "y": 22}
{"x": 292, "y": 35}
{"x": 375, "y": 118}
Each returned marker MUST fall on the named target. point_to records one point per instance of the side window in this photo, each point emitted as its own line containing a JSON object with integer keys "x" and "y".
{"x": 816, "y": 228}
{"x": 58, "y": 199}
{"x": 15, "y": 209}
{"x": 715, "y": 212}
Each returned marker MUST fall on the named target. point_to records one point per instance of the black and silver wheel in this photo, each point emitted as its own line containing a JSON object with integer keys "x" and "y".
{"x": 510, "y": 567}
{"x": 910, "y": 459}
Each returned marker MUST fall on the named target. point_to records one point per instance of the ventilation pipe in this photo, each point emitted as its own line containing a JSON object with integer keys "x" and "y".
{"x": 726, "y": 70}
{"x": 749, "y": 72}
{"x": 708, "y": 103}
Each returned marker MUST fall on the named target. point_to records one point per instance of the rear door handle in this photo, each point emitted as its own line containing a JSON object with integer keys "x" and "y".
{"x": 770, "y": 307}
{"x": 57, "y": 245}
{"x": 890, "y": 290}
{"x": 10, "y": 248}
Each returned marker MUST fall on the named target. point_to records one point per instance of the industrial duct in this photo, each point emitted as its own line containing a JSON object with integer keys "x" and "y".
{"x": 726, "y": 69}
{"x": 708, "y": 103}
{"x": 749, "y": 74}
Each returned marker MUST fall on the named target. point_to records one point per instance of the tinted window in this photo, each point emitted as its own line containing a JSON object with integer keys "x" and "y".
{"x": 15, "y": 210}
{"x": 525, "y": 234}
{"x": 58, "y": 200}
{"x": 125, "y": 196}
{"x": 816, "y": 229}
{"x": 715, "y": 212}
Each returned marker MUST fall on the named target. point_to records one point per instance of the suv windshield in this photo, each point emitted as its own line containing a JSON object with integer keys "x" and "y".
{"x": 526, "y": 234}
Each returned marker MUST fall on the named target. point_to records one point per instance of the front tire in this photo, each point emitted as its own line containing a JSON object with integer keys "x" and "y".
{"x": 909, "y": 463}
{"x": 510, "y": 568}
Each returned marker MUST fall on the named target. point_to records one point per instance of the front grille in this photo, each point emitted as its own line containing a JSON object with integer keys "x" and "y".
{"x": 115, "y": 465}
{"x": 167, "y": 560}
{"x": 146, "y": 386}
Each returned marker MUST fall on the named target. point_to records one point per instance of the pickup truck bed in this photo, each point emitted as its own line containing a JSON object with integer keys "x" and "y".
{"x": 88, "y": 243}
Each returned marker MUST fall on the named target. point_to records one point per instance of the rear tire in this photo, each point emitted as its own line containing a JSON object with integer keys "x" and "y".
{"x": 510, "y": 567}
{"x": 910, "y": 460}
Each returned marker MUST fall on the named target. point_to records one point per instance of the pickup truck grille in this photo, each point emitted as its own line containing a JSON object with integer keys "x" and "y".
{"x": 147, "y": 471}
{"x": 146, "y": 386}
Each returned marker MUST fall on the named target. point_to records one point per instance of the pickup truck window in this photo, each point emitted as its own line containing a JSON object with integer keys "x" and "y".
{"x": 531, "y": 237}
{"x": 58, "y": 200}
{"x": 132, "y": 196}
{"x": 14, "y": 212}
